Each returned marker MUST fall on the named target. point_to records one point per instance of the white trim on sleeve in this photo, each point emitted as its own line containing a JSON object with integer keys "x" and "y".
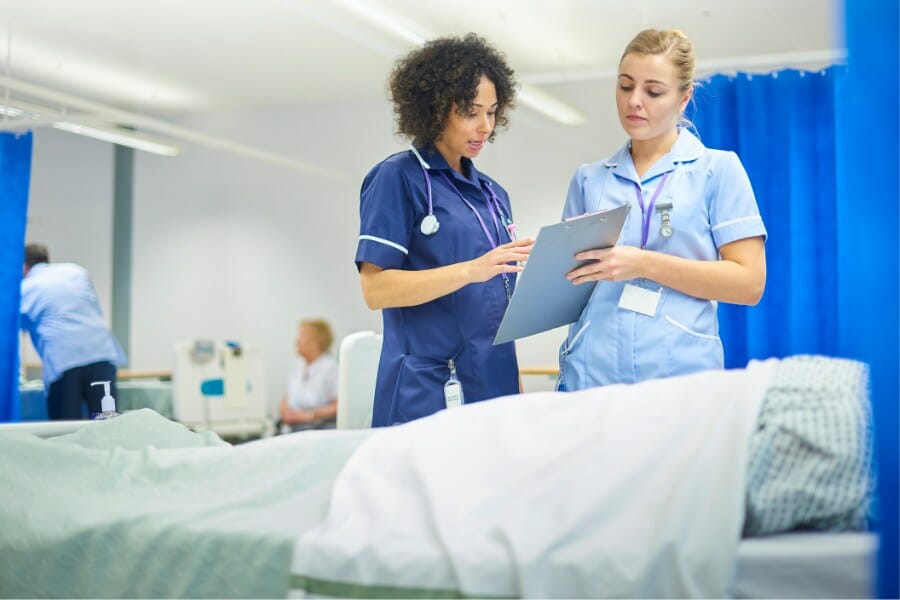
{"x": 385, "y": 242}
{"x": 733, "y": 221}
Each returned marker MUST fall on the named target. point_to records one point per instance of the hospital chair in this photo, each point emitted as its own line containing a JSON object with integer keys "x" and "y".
{"x": 358, "y": 357}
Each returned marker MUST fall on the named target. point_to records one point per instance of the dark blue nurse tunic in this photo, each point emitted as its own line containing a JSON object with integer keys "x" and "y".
{"x": 420, "y": 340}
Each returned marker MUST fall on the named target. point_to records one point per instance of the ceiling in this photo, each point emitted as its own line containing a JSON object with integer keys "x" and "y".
{"x": 140, "y": 62}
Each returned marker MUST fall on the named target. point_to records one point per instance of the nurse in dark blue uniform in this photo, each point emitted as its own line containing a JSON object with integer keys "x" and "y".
{"x": 437, "y": 251}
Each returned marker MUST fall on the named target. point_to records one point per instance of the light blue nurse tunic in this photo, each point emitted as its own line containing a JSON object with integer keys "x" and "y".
{"x": 420, "y": 340}
{"x": 712, "y": 205}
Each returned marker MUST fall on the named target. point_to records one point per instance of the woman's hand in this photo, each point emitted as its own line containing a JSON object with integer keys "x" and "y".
{"x": 497, "y": 260}
{"x": 391, "y": 288}
{"x": 292, "y": 416}
{"x": 738, "y": 277}
{"x": 618, "y": 263}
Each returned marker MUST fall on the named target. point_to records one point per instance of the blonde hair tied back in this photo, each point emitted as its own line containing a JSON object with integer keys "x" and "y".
{"x": 672, "y": 43}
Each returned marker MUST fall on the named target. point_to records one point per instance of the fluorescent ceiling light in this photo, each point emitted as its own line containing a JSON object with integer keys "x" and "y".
{"x": 120, "y": 136}
{"x": 101, "y": 112}
{"x": 538, "y": 100}
{"x": 383, "y": 21}
{"x": 551, "y": 107}
{"x": 13, "y": 113}
{"x": 73, "y": 69}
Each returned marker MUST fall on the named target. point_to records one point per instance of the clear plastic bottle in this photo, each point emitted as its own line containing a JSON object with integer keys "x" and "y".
{"x": 107, "y": 403}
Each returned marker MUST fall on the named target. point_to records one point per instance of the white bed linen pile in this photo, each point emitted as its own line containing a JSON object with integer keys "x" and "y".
{"x": 622, "y": 491}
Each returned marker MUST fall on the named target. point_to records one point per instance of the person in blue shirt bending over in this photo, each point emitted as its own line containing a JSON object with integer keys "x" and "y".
{"x": 60, "y": 311}
{"x": 437, "y": 251}
{"x": 693, "y": 236}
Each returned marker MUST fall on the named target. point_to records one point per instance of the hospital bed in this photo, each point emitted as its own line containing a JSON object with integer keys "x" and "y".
{"x": 140, "y": 506}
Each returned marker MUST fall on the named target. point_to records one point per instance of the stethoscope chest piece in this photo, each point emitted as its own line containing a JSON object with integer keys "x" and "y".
{"x": 429, "y": 225}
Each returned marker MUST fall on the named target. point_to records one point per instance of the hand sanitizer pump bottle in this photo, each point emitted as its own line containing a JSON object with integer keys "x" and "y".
{"x": 107, "y": 403}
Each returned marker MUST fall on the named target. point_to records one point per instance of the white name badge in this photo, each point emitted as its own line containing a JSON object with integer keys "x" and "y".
{"x": 453, "y": 394}
{"x": 640, "y": 300}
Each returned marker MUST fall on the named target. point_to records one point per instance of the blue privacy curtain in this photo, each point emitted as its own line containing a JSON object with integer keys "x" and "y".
{"x": 782, "y": 126}
{"x": 822, "y": 154}
{"x": 15, "y": 170}
{"x": 868, "y": 266}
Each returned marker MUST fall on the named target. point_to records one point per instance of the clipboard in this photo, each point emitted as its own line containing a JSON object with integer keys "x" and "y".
{"x": 544, "y": 298}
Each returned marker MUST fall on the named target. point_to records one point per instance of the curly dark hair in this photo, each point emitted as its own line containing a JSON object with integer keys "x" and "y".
{"x": 426, "y": 83}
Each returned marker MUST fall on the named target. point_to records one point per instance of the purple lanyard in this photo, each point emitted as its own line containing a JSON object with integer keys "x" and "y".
{"x": 491, "y": 205}
{"x": 496, "y": 209}
{"x": 647, "y": 214}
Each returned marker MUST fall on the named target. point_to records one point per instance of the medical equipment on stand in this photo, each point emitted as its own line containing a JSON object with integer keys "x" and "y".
{"x": 221, "y": 386}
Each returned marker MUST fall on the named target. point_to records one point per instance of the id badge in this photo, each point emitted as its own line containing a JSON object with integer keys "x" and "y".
{"x": 453, "y": 394}
{"x": 640, "y": 300}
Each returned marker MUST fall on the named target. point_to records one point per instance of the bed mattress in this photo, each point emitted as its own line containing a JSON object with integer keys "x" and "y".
{"x": 807, "y": 565}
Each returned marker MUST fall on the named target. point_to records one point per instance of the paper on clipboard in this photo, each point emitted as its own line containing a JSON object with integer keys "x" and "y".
{"x": 544, "y": 298}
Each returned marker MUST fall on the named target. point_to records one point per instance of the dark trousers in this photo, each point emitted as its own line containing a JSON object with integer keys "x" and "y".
{"x": 71, "y": 394}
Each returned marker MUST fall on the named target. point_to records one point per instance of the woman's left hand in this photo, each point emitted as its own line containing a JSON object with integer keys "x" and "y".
{"x": 618, "y": 263}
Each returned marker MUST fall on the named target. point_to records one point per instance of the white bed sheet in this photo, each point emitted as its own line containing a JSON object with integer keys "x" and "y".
{"x": 804, "y": 565}
{"x": 807, "y": 565}
{"x": 624, "y": 491}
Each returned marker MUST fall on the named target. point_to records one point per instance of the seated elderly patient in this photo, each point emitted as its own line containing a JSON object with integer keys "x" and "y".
{"x": 311, "y": 398}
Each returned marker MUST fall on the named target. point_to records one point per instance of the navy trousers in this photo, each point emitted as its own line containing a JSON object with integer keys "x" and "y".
{"x": 73, "y": 397}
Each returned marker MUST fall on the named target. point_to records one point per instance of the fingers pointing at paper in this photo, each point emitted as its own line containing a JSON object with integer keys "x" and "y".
{"x": 502, "y": 259}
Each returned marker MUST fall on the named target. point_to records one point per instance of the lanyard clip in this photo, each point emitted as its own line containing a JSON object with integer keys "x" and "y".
{"x": 511, "y": 228}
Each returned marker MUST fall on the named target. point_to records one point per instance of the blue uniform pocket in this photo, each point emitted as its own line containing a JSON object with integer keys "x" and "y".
{"x": 690, "y": 351}
{"x": 420, "y": 388}
{"x": 576, "y": 333}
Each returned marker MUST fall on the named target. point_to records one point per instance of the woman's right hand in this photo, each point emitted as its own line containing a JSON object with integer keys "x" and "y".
{"x": 498, "y": 260}
{"x": 392, "y": 288}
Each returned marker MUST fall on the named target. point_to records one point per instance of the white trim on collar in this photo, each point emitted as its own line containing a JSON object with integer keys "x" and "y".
{"x": 685, "y": 149}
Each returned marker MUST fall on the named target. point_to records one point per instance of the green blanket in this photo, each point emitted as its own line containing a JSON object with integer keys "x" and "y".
{"x": 139, "y": 506}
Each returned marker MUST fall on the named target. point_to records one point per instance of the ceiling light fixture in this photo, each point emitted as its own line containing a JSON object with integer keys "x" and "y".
{"x": 380, "y": 19}
{"x": 551, "y": 107}
{"x": 120, "y": 136}
{"x": 89, "y": 109}
{"x": 11, "y": 113}
{"x": 536, "y": 99}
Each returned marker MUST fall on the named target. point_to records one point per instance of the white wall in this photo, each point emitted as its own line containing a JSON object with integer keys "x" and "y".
{"x": 227, "y": 247}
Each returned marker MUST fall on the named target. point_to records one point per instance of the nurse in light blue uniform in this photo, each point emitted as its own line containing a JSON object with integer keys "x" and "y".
{"x": 437, "y": 250}
{"x": 693, "y": 236}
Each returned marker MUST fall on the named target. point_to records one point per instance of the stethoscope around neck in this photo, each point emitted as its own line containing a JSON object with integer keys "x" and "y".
{"x": 430, "y": 224}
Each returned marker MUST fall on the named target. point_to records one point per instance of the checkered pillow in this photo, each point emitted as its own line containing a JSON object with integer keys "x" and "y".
{"x": 811, "y": 454}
